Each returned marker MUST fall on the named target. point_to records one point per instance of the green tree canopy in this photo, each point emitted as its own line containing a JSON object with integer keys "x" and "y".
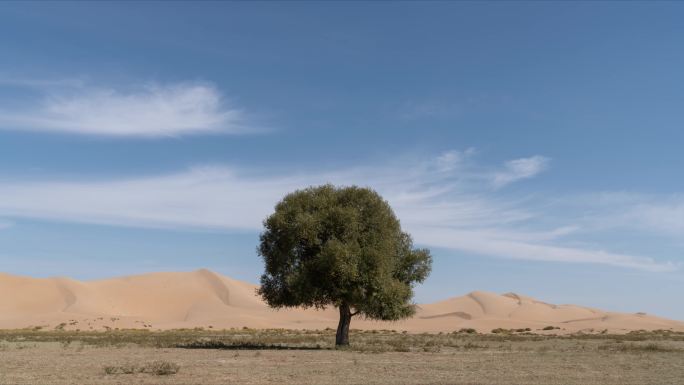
{"x": 343, "y": 247}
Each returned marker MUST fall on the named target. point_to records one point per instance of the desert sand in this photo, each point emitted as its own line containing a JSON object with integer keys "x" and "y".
{"x": 160, "y": 301}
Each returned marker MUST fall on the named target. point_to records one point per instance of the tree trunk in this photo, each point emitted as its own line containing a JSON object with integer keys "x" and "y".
{"x": 342, "y": 338}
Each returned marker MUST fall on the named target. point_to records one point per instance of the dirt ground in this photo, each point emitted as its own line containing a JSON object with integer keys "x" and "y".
{"x": 469, "y": 360}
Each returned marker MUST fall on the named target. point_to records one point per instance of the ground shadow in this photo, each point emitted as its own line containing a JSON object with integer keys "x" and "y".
{"x": 244, "y": 346}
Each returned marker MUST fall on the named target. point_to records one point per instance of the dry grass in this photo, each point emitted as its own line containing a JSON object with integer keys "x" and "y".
{"x": 159, "y": 368}
{"x": 249, "y": 356}
{"x": 638, "y": 347}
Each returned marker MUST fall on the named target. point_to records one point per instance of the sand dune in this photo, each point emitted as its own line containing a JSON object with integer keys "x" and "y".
{"x": 206, "y": 299}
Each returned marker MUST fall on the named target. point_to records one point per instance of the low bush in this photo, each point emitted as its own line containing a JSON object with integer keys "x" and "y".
{"x": 637, "y": 348}
{"x": 159, "y": 368}
{"x": 162, "y": 368}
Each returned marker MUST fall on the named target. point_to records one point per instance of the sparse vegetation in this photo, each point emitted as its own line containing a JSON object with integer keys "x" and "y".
{"x": 162, "y": 368}
{"x": 284, "y": 339}
{"x": 635, "y": 347}
{"x": 510, "y": 331}
{"x": 308, "y": 356}
{"x": 470, "y": 345}
{"x": 159, "y": 368}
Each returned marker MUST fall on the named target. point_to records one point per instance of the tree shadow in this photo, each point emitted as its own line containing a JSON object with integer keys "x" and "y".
{"x": 220, "y": 345}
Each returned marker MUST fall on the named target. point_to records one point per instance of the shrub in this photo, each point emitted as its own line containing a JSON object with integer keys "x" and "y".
{"x": 159, "y": 368}
{"x": 471, "y": 345}
{"x": 122, "y": 369}
{"x": 162, "y": 368}
{"x": 632, "y": 347}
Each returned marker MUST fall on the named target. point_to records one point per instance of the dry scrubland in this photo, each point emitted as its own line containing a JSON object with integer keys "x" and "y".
{"x": 65, "y": 331}
{"x": 248, "y": 356}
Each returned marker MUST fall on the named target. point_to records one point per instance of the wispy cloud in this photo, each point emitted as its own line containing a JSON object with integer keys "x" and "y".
{"x": 661, "y": 214}
{"x": 518, "y": 169}
{"x": 444, "y": 202}
{"x": 450, "y": 160}
{"x": 505, "y": 245}
{"x": 150, "y": 110}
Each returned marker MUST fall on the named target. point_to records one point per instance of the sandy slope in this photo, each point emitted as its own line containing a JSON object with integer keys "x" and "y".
{"x": 206, "y": 299}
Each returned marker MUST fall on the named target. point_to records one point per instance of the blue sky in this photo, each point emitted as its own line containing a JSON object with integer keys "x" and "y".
{"x": 534, "y": 147}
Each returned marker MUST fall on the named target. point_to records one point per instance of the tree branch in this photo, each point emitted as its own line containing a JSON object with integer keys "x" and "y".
{"x": 354, "y": 313}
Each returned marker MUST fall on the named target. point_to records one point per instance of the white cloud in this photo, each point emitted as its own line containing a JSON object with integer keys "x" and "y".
{"x": 518, "y": 169}
{"x": 505, "y": 246}
{"x": 452, "y": 208}
{"x": 203, "y": 197}
{"x": 146, "y": 111}
{"x": 661, "y": 216}
{"x": 450, "y": 160}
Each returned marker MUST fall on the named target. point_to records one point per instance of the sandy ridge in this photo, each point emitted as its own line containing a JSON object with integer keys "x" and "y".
{"x": 206, "y": 299}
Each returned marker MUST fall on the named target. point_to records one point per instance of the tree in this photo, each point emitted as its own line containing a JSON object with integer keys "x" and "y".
{"x": 343, "y": 247}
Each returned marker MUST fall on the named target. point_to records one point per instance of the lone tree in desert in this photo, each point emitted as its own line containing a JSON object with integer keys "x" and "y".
{"x": 342, "y": 247}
